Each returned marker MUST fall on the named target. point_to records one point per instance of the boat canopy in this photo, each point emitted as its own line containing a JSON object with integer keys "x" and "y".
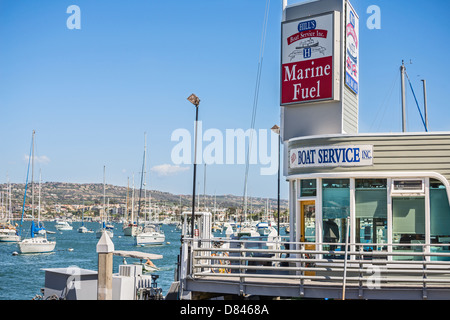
{"x": 137, "y": 255}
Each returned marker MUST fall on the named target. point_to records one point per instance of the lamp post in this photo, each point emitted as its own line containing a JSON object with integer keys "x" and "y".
{"x": 195, "y": 101}
{"x": 276, "y": 129}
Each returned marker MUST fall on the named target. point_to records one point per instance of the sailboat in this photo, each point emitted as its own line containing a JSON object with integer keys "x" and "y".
{"x": 131, "y": 228}
{"x": 8, "y": 231}
{"x": 103, "y": 227}
{"x": 82, "y": 228}
{"x": 151, "y": 233}
{"x": 34, "y": 244}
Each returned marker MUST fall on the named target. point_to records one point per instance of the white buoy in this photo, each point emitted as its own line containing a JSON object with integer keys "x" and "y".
{"x": 15, "y": 253}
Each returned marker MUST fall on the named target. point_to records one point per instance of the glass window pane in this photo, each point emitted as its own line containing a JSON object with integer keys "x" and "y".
{"x": 371, "y": 203}
{"x": 408, "y": 215}
{"x": 335, "y": 210}
{"x": 309, "y": 212}
{"x": 408, "y": 225}
{"x": 308, "y": 188}
{"x": 335, "y": 198}
{"x": 371, "y": 212}
{"x": 440, "y": 211}
{"x": 439, "y": 219}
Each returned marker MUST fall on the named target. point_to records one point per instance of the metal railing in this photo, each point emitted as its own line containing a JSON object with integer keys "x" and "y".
{"x": 362, "y": 265}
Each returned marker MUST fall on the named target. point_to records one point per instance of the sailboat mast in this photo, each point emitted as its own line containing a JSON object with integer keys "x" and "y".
{"x": 425, "y": 102}
{"x": 128, "y": 187}
{"x": 145, "y": 176}
{"x": 9, "y": 201}
{"x": 142, "y": 176}
{"x": 402, "y": 73}
{"x": 132, "y": 202}
{"x": 32, "y": 176}
{"x": 39, "y": 198}
{"x": 104, "y": 195}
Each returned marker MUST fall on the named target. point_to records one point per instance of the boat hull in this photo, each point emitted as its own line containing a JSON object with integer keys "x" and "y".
{"x": 130, "y": 231}
{"x": 9, "y": 238}
{"x": 82, "y": 230}
{"x": 36, "y": 245}
{"x": 63, "y": 226}
{"x": 150, "y": 238}
{"x": 9, "y": 235}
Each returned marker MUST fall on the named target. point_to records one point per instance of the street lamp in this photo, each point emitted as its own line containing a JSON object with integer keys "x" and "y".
{"x": 195, "y": 101}
{"x": 276, "y": 129}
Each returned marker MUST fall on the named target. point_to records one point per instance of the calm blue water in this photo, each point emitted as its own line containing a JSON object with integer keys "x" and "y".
{"x": 22, "y": 277}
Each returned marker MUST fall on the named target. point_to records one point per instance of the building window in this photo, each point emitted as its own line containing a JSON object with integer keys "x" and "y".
{"x": 408, "y": 225}
{"x": 439, "y": 218}
{"x": 371, "y": 212}
{"x": 308, "y": 188}
{"x": 335, "y": 210}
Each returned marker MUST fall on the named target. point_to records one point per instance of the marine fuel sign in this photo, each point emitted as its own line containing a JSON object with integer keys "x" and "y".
{"x": 307, "y": 70}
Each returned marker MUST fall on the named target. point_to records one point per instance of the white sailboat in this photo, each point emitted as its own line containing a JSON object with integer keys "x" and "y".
{"x": 8, "y": 231}
{"x": 151, "y": 233}
{"x": 34, "y": 244}
{"x": 82, "y": 228}
{"x": 131, "y": 228}
{"x": 103, "y": 227}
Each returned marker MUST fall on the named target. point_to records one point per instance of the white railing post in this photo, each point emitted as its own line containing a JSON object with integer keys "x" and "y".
{"x": 345, "y": 259}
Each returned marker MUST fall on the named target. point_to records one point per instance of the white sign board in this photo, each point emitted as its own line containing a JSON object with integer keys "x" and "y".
{"x": 307, "y": 71}
{"x": 331, "y": 156}
{"x": 352, "y": 49}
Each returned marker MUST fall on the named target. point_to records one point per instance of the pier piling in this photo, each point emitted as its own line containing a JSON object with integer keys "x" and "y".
{"x": 105, "y": 250}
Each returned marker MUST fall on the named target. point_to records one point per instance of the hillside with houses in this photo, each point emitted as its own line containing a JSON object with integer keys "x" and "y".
{"x": 69, "y": 200}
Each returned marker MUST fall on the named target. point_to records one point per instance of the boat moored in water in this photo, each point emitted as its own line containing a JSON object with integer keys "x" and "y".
{"x": 63, "y": 225}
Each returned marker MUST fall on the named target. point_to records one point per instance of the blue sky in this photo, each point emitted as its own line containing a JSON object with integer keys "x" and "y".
{"x": 90, "y": 94}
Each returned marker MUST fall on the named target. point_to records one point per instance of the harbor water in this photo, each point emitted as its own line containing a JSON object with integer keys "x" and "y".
{"x": 22, "y": 276}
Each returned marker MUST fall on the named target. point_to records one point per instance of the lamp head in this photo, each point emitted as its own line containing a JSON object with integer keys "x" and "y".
{"x": 194, "y": 100}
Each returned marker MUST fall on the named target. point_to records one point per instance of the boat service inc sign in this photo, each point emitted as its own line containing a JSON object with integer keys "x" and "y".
{"x": 352, "y": 49}
{"x": 307, "y": 60}
{"x": 331, "y": 156}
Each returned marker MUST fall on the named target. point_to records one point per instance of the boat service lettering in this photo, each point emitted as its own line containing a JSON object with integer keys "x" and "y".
{"x": 332, "y": 156}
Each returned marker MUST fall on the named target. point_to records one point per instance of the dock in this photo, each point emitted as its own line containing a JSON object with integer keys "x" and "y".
{"x": 387, "y": 274}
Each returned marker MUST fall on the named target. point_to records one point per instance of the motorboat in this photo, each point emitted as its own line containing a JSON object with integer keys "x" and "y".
{"x": 8, "y": 233}
{"x": 151, "y": 234}
{"x": 148, "y": 266}
{"x": 62, "y": 225}
{"x": 82, "y": 229}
